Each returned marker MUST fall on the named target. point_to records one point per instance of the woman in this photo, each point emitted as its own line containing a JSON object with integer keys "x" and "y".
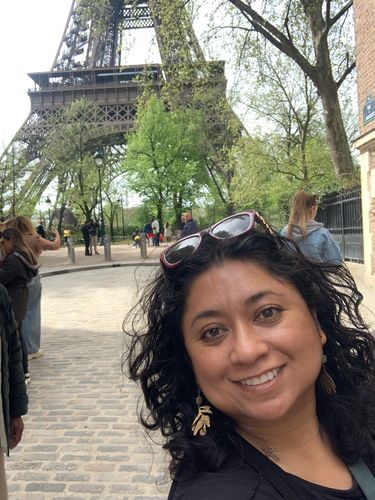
{"x": 13, "y": 390}
{"x": 313, "y": 239}
{"x": 18, "y": 267}
{"x": 257, "y": 367}
{"x": 167, "y": 231}
{"x": 32, "y": 322}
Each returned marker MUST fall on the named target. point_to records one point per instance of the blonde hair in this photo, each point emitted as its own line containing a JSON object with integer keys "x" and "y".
{"x": 300, "y": 211}
{"x": 22, "y": 223}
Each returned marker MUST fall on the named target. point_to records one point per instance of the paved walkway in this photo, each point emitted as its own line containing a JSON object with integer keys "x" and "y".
{"x": 82, "y": 439}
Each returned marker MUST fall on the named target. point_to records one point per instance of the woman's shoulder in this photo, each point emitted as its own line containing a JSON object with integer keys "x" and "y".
{"x": 243, "y": 483}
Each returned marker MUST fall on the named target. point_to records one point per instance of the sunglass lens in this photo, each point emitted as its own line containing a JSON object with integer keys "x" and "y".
{"x": 233, "y": 226}
{"x": 182, "y": 250}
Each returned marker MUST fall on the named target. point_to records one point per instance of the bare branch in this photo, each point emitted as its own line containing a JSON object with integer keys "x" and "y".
{"x": 345, "y": 74}
{"x": 275, "y": 36}
{"x": 335, "y": 18}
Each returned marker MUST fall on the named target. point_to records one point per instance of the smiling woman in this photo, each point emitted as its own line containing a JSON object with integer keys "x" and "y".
{"x": 257, "y": 367}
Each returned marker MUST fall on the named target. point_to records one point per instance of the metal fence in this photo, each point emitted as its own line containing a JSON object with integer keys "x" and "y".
{"x": 342, "y": 215}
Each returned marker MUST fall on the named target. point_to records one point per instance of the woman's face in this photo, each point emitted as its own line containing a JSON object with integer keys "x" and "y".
{"x": 255, "y": 347}
{"x": 6, "y": 246}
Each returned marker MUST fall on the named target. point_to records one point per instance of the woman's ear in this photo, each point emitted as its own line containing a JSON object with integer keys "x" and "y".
{"x": 322, "y": 335}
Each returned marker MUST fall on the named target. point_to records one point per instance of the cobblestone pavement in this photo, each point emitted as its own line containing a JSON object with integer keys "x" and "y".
{"x": 82, "y": 439}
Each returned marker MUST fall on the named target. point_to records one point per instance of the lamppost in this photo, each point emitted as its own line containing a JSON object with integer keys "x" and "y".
{"x": 98, "y": 157}
{"x": 48, "y": 201}
{"x": 122, "y": 218}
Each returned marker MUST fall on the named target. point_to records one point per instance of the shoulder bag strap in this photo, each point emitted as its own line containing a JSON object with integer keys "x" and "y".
{"x": 364, "y": 478}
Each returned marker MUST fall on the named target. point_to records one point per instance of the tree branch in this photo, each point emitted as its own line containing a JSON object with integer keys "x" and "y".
{"x": 345, "y": 74}
{"x": 335, "y": 18}
{"x": 275, "y": 36}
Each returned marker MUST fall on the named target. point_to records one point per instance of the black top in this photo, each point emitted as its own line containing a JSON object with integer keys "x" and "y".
{"x": 15, "y": 273}
{"x": 257, "y": 478}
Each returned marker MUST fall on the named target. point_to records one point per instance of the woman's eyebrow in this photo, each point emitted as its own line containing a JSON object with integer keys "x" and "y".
{"x": 260, "y": 295}
{"x": 209, "y": 313}
{"x": 252, "y": 299}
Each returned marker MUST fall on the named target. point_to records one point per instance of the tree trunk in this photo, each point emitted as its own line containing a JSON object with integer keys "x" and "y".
{"x": 323, "y": 79}
{"x": 335, "y": 130}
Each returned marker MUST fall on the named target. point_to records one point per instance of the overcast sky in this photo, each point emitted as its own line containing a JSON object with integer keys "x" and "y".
{"x": 30, "y": 32}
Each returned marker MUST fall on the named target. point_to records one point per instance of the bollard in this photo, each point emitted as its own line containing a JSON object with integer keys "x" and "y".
{"x": 71, "y": 251}
{"x": 107, "y": 248}
{"x": 143, "y": 246}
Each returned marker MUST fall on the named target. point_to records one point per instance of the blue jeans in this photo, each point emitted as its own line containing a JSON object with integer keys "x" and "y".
{"x": 31, "y": 325}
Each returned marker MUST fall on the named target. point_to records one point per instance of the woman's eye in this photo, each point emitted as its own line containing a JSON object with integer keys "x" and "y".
{"x": 212, "y": 333}
{"x": 269, "y": 313}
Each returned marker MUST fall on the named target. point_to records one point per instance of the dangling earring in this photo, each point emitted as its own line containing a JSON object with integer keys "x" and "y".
{"x": 202, "y": 420}
{"x": 325, "y": 378}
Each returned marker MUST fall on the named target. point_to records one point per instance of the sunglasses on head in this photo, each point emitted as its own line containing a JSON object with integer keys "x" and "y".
{"x": 230, "y": 227}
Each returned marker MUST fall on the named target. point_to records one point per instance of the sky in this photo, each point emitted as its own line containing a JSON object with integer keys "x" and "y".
{"x": 30, "y": 33}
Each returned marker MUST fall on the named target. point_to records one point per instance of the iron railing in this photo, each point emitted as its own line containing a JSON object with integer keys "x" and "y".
{"x": 342, "y": 215}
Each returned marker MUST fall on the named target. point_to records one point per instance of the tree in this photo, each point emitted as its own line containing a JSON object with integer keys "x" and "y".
{"x": 280, "y": 24}
{"x": 70, "y": 147}
{"x": 163, "y": 159}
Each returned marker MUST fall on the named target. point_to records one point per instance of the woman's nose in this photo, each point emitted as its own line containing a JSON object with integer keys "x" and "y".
{"x": 248, "y": 345}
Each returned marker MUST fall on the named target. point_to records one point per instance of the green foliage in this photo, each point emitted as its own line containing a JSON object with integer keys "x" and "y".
{"x": 266, "y": 179}
{"x": 164, "y": 158}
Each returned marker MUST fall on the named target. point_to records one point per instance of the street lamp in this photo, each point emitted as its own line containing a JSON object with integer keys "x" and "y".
{"x": 48, "y": 201}
{"x": 98, "y": 157}
{"x": 122, "y": 218}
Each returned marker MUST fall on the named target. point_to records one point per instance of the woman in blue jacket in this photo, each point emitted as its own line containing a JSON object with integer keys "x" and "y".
{"x": 312, "y": 237}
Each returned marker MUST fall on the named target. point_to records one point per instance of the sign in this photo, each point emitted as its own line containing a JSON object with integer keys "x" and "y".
{"x": 369, "y": 110}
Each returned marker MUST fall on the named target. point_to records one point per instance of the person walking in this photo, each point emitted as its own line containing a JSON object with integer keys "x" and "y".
{"x": 312, "y": 237}
{"x": 86, "y": 237}
{"x": 190, "y": 226}
{"x": 167, "y": 232}
{"x": 156, "y": 231}
{"x": 93, "y": 228}
{"x": 18, "y": 267}
{"x": 32, "y": 322}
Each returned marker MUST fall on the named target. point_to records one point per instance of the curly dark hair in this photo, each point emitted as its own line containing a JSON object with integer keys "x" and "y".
{"x": 158, "y": 359}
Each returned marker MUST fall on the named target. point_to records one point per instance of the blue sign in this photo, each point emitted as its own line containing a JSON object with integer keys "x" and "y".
{"x": 369, "y": 110}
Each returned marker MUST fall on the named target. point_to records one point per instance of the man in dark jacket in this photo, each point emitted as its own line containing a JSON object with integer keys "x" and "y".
{"x": 190, "y": 226}
{"x": 13, "y": 388}
{"x": 86, "y": 232}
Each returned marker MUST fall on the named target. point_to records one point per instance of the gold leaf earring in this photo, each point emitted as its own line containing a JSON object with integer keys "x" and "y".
{"x": 325, "y": 378}
{"x": 202, "y": 420}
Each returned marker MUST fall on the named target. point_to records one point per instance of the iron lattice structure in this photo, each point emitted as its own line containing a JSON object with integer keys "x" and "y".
{"x": 88, "y": 64}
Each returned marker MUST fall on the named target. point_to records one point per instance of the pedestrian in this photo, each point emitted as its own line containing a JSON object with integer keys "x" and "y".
{"x": 86, "y": 232}
{"x": 149, "y": 232}
{"x": 190, "y": 226}
{"x": 94, "y": 228}
{"x": 67, "y": 234}
{"x": 40, "y": 230}
{"x": 18, "y": 267}
{"x": 257, "y": 367}
{"x": 155, "y": 231}
{"x": 167, "y": 232}
{"x": 31, "y": 326}
{"x": 311, "y": 237}
{"x": 136, "y": 237}
{"x": 13, "y": 389}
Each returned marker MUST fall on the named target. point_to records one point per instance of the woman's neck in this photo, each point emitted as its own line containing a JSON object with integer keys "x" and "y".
{"x": 293, "y": 431}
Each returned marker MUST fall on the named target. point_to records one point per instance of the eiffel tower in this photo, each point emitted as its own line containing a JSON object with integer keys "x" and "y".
{"x": 89, "y": 65}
